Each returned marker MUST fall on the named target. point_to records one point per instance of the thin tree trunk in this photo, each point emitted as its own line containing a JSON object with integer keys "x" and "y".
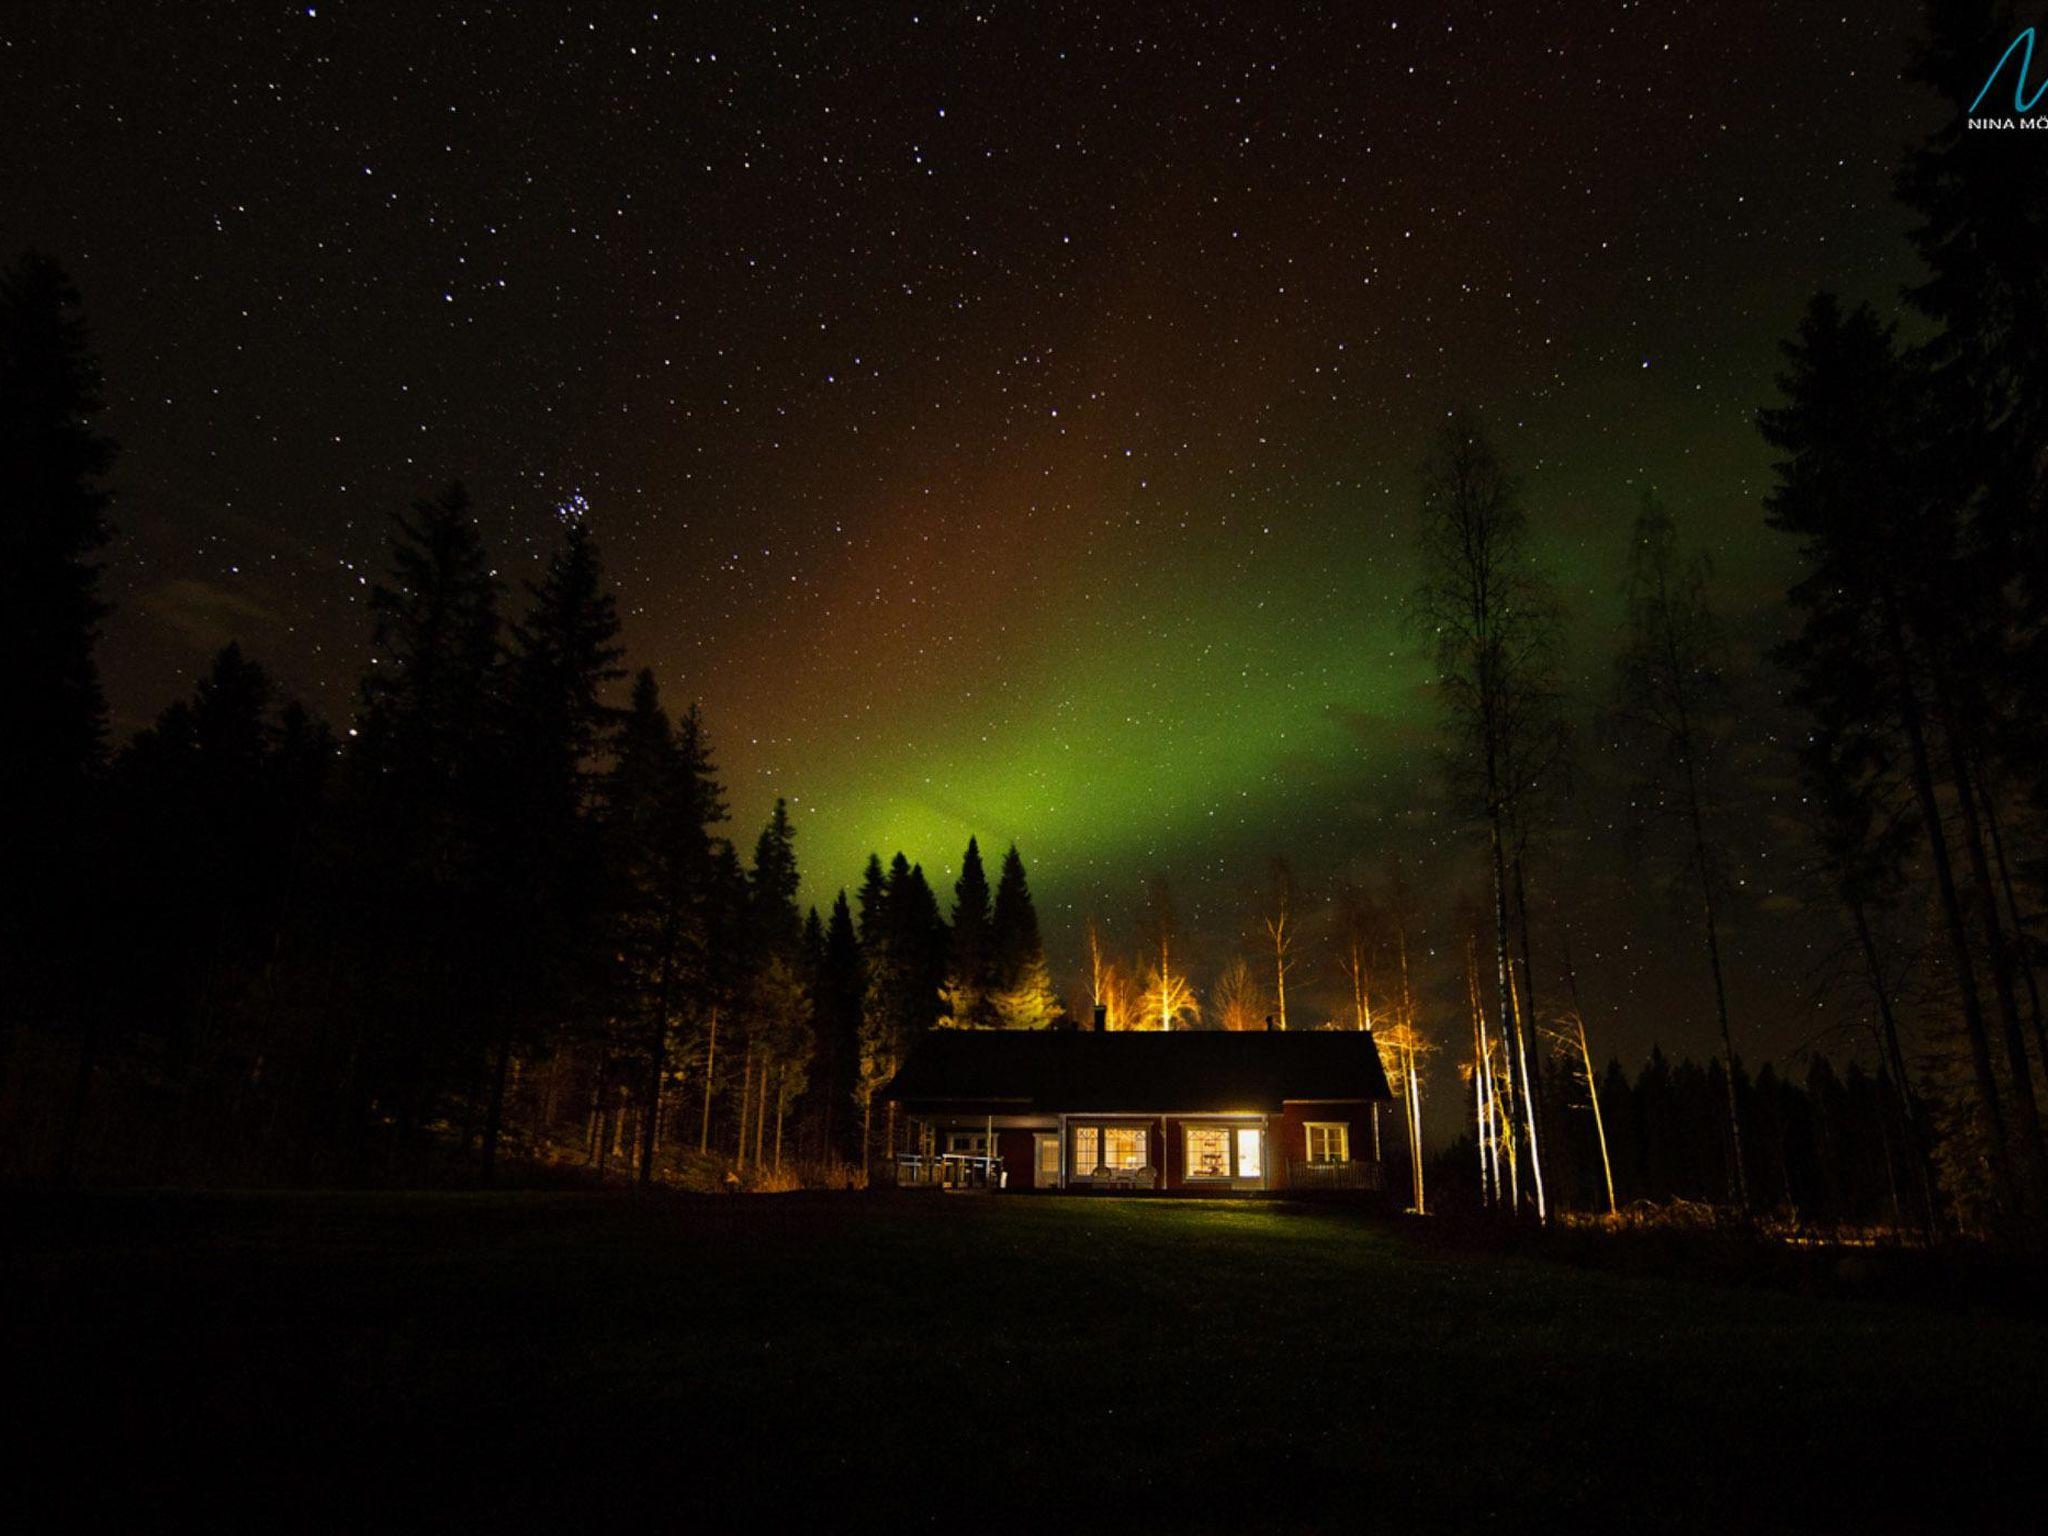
{"x": 1599, "y": 1125}
{"x": 1952, "y": 917}
{"x": 710, "y": 1076}
{"x": 1515, "y": 1025}
{"x": 761, "y": 1112}
{"x": 746, "y": 1104}
{"x": 1482, "y": 1114}
{"x": 2012, "y": 911}
{"x": 781, "y": 1110}
{"x": 657, "y": 1069}
{"x": 2029, "y": 1110}
{"x": 1414, "y": 1086}
{"x": 1923, "y": 1161}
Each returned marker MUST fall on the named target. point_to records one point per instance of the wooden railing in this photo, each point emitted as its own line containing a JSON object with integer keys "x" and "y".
{"x": 1362, "y": 1175}
{"x": 948, "y": 1170}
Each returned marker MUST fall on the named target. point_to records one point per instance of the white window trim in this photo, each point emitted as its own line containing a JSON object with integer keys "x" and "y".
{"x": 1341, "y": 1127}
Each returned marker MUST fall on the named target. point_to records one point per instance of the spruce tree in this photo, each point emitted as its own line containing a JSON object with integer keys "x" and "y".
{"x": 661, "y": 804}
{"x": 773, "y": 882}
{"x": 1883, "y": 541}
{"x": 555, "y": 725}
{"x": 423, "y": 798}
{"x": 971, "y": 977}
{"x": 838, "y": 996}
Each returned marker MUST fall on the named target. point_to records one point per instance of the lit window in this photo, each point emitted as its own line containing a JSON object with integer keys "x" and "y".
{"x": 1087, "y": 1150}
{"x": 1248, "y": 1153}
{"x": 1048, "y": 1160}
{"x": 1125, "y": 1146}
{"x": 1329, "y": 1142}
{"x": 1208, "y": 1151}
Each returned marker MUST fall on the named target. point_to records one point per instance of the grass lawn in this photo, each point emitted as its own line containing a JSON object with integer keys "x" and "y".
{"x": 296, "y": 1361}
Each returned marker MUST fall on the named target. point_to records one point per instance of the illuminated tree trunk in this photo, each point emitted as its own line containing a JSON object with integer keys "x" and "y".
{"x": 781, "y": 1110}
{"x": 746, "y": 1103}
{"x": 1516, "y": 1027}
{"x": 1482, "y": 1081}
{"x": 1599, "y": 1125}
{"x": 710, "y": 1076}
{"x": 1277, "y": 931}
{"x": 761, "y": 1113}
{"x": 1414, "y": 1084}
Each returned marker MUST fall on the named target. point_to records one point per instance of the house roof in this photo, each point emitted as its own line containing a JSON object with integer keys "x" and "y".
{"x": 1139, "y": 1072}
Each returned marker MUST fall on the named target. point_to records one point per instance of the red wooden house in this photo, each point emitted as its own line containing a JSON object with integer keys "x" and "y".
{"x": 1193, "y": 1112}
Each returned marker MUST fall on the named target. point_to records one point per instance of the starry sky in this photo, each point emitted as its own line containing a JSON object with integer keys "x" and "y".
{"x": 1003, "y": 417}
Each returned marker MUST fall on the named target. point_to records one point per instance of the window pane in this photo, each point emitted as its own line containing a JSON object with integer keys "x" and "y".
{"x": 1085, "y": 1154}
{"x": 1247, "y": 1154}
{"x": 1208, "y": 1152}
{"x": 1124, "y": 1146}
{"x": 1048, "y": 1157}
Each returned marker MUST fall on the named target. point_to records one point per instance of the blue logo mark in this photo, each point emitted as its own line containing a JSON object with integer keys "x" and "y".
{"x": 2021, "y": 102}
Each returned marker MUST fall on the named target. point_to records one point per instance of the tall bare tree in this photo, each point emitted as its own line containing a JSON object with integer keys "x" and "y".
{"x": 1168, "y": 997}
{"x": 1280, "y": 934}
{"x": 1491, "y": 621}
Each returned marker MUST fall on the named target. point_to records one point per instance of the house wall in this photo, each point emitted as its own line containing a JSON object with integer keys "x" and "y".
{"x": 1286, "y": 1141}
{"x": 1016, "y": 1148}
{"x": 1290, "y": 1131}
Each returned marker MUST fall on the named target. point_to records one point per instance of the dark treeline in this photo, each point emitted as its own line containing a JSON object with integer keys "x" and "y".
{"x": 499, "y": 913}
{"x": 1828, "y": 1147}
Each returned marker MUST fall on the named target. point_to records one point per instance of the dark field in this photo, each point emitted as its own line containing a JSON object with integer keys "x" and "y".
{"x": 296, "y": 1361}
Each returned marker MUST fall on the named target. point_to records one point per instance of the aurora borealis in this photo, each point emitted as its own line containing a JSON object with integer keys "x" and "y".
{"x": 1002, "y": 418}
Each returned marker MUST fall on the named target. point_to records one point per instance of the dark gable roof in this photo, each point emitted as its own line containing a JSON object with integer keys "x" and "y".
{"x": 1140, "y": 1072}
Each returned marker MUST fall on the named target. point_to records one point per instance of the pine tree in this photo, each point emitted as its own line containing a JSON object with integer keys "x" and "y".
{"x": 838, "y": 1003}
{"x": 772, "y": 887}
{"x": 556, "y": 724}
{"x": 661, "y": 803}
{"x": 1024, "y": 993}
{"x": 422, "y": 823}
{"x": 1881, "y": 617}
{"x": 970, "y": 980}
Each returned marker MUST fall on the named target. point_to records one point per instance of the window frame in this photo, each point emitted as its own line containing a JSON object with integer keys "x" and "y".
{"x": 1187, "y": 1162}
{"x": 1308, "y": 1140}
{"x": 1096, "y": 1133}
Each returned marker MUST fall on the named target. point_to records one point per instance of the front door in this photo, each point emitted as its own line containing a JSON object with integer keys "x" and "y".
{"x": 1249, "y": 1151}
{"x": 1045, "y": 1162}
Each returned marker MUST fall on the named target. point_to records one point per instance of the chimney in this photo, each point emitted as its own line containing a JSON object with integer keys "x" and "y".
{"x": 1101, "y": 1017}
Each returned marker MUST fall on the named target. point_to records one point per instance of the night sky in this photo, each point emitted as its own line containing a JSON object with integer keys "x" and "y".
{"x": 1003, "y": 418}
